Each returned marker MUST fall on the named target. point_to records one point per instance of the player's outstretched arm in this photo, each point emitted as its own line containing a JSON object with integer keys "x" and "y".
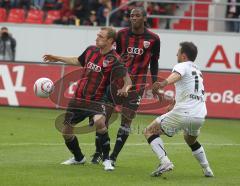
{"x": 172, "y": 78}
{"x": 68, "y": 60}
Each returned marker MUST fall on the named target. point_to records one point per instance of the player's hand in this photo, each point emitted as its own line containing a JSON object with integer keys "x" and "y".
{"x": 50, "y": 58}
{"x": 157, "y": 88}
{"x": 122, "y": 92}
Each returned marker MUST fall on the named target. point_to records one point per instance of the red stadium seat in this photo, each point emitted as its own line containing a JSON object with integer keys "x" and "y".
{"x": 51, "y": 16}
{"x": 16, "y": 15}
{"x": 155, "y": 23}
{"x": 3, "y": 14}
{"x": 35, "y": 16}
{"x": 201, "y": 10}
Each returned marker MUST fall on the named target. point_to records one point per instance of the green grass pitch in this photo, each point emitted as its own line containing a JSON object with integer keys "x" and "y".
{"x": 31, "y": 150}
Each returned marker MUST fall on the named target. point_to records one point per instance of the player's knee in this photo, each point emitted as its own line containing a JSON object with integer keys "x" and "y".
{"x": 101, "y": 129}
{"x": 190, "y": 140}
{"x": 128, "y": 115}
{"x": 147, "y": 132}
{"x": 153, "y": 129}
{"x": 99, "y": 121}
{"x": 67, "y": 132}
{"x": 100, "y": 126}
{"x": 126, "y": 122}
{"x": 67, "y": 129}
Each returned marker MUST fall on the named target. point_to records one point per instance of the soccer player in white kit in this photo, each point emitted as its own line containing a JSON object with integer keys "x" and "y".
{"x": 188, "y": 113}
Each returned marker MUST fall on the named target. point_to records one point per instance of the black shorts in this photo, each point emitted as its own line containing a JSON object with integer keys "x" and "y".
{"x": 129, "y": 104}
{"x": 77, "y": 111}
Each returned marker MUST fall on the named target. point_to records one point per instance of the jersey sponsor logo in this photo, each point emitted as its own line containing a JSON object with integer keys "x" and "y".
{"x": 94, "y": 67}
{"x": 133, "y": 50}
{"x": 146, "y": 44}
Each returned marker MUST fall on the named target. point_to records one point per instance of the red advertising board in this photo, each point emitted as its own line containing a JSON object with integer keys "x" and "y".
{"x": 17, "y": 79}
{"x": 222, "y": 93}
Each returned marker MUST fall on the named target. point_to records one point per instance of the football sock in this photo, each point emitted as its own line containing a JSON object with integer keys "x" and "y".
{"x": 73, "y": 146}
{"x": 105, "y": 143}
{"x": 98, "y": 143}
{"x": 199, "y": 153}
{"x": 123, "y": 133}
{"x": 157, "y": 146}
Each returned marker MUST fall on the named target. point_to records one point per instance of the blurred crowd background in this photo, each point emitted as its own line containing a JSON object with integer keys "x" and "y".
{"x": 95, "y": 12}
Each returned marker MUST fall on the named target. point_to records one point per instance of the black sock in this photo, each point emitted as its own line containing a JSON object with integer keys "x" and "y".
{"x": 73, "y": 146}
{"x": 105, "y": 143}
{"x": 195, "y": 146}
{"x": 98, "y": 143}
{"x": 123, "y": 133}
{"x": 152, "y": 137}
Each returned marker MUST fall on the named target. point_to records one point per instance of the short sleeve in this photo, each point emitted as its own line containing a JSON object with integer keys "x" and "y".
{"x": 117, "y": 68}
{"x": 180, "y": 68}
{"x": 82, "y": 57}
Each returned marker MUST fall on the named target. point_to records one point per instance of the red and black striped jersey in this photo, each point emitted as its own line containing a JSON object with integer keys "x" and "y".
{"x": 98, "y": 72}
{"x": 137, "y": 51}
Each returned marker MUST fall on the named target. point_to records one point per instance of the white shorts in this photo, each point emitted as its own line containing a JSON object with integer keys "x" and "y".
{"x": 172, "y": 123}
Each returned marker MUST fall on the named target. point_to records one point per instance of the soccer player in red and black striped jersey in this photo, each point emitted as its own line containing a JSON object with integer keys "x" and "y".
{"x": 138, "y": 48}
{"x": 101, "y": 64}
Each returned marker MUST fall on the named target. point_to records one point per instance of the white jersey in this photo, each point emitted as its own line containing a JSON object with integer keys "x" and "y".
{"x": 189, "y": 91}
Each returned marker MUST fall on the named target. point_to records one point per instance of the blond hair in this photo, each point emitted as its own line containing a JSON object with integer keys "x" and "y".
{"x": 111, "y": 32}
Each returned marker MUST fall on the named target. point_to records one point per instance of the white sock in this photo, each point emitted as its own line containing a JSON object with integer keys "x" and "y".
{"x": 201, "y": 157}
{"x": 158, "y": 148}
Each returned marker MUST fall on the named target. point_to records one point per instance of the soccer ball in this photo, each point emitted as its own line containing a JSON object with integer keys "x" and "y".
{"x": 43, "y": 87}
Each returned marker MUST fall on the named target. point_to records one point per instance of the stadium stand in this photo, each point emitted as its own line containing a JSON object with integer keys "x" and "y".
{"x": 34, "y": 16}
{"x": 51, "y": 16}
{"x": 200, "y": 10}
{"x": 80, "y": 11}
{"x": 3, "y": 14}
{"x": 16, "y": 15}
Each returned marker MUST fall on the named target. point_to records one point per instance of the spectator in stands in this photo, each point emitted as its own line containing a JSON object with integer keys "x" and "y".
{"x": 4, "y": 3}
{"x": 125, "y": 21}
{"x": 53, "y": 5}
{"x": 233, "y": 12}
{"x": 38, "y": 4}
{"x": 65, "y": 20}
{"x": 102, "y": 19}
{"x": 79, "y": 10}
{"x": 14, "y": 3}
{"x": 103, "y": 11}
{"x": 7, "y": 45}
{"x": 9, "y": 3}
{"x": 93, "y": 4}
{"x": 26, "y": 4}
{"x": 92, "y": 20}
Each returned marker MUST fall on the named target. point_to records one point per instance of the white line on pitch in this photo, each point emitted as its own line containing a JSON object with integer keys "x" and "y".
{"x": 127, "y": 144}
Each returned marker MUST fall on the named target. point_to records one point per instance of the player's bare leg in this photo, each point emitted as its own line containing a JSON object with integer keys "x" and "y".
{"x": 152, "y": 134}
{"x": 199, "y": 153}
{"x": 101, "y": 129}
